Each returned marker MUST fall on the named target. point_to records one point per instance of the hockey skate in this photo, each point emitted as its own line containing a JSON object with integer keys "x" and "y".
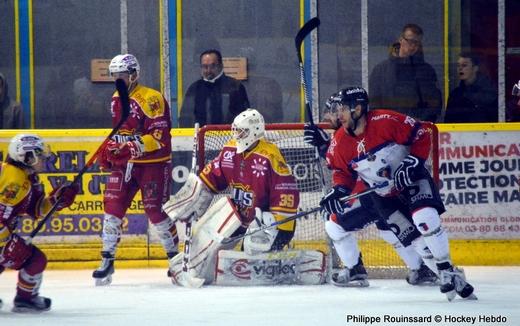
{"x": 453, "y": 282}
{"x": 422, "y": 276}
{"x": 32, "y": 305}
{"x": 355, "y": 277}
{"x": 103, "y": 275}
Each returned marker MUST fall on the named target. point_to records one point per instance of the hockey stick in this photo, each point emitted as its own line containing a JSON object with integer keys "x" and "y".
{"x": 301, "y": 214}
{"x": 186, "y": 279}
{"x": 122, "y": 90}
{"x": 298, "y": 40}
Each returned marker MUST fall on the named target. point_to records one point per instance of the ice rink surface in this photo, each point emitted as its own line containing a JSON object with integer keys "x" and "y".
{"x": 146, "y": 297}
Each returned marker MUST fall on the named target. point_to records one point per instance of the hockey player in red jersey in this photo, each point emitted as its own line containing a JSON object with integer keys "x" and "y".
{"x": 388, "y": 150}
{"x": 139, "y": 159}
{"x": 263, "y": 191}
{"x": 21, "y": 193}
{"x": 358, "y": 216}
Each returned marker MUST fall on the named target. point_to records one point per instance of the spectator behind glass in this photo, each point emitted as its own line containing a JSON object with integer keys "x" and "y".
{"x": 475, "y": 99}
{"x": 215, "y": 98}
{"x": 405, "y": 82}
{"x": 11, "y": 113}
{"x": 513, "y": 106}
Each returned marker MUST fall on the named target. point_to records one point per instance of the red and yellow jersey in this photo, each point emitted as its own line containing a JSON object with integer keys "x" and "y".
{"x": 257, "y": 178}
{"x": 20, "y": 193}
{"x": 375, "y": 154}
{"x": 149, "y": 118}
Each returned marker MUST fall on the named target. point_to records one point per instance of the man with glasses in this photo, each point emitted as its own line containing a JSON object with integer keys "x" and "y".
{"x": 139, "y": 159}
{"x": 405, "y": 82}
{"x": 215, "y": 98}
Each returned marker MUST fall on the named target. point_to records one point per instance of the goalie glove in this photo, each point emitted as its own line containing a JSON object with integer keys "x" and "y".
{"x": 315, "y": 136}
{"x": 331, "y": 202}
{"x": 409, "y": 170}
{"x": 262, "y": 241}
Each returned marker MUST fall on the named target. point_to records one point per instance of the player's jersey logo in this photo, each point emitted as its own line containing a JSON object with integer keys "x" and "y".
{"x": 258, "y": 167}
{"x": 361, "y": 147}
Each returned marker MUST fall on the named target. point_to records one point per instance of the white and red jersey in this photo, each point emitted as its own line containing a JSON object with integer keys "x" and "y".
{"x": 257, "y": 178}
{"x": 375, "y": 154}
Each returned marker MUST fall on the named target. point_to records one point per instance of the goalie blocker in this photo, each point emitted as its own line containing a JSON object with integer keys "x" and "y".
{"x": 210, "y": 260}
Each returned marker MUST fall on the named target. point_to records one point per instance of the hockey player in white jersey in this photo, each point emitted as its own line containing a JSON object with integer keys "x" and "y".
{"x": 388, "y": 150}
{"x": 358, "y": 216}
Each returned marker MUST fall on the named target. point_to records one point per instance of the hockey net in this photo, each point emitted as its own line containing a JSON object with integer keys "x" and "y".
{"x": 314, "y": 179}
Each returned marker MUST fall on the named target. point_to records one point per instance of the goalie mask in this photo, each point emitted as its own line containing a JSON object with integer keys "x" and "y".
{"x": 27, "y": 149}
{"x": 247, "y": 128}
{"x": 125, "y": 63}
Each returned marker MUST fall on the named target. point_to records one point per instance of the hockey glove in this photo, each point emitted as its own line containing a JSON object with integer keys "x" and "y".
{"x": 331, "y": 203}
{"x": 120, "y": 153}
{"x": 15, "y": 252}
{"x": 65, "y": 194}
{"x": 315, "y": 136}
{"x": 409, "y": 170}
{"x": 102, "y": 160}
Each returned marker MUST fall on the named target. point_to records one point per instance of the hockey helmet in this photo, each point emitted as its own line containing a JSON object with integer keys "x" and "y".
{"x": 27, "y": 149}
{"x": 351, "y": 97}
{"x": 125, "y": 63}
{"x": 247, "y": 128}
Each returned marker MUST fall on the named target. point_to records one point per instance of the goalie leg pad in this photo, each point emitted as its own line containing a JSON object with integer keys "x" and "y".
{"x": 219, "y": 222}
{"x": 237, "y": 268}
{"x": 193, "y": 198}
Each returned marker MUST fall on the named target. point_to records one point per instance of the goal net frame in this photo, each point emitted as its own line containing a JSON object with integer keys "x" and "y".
{"x": 314, "y": 179}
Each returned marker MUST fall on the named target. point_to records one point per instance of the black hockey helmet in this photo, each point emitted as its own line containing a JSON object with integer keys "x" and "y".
{"x": 352, "y": 97}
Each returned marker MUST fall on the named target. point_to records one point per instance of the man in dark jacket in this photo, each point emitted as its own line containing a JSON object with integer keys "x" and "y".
{"x": 10, "y": 111}
{"x": 475, "y": 99}
{"x": 405, "y": 82}
{"x": 215, "y": 98}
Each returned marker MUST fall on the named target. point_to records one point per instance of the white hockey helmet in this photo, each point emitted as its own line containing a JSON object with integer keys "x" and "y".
{"x": 27, "y": 149}
{"x": 125, "y": 63}
{"x": 248, "y": 127}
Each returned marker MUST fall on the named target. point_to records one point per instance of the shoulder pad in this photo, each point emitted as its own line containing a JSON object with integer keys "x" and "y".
{"x": 14, "y": 185}
{"x": 150, "y": 101}
{"x": 275, "y": 157}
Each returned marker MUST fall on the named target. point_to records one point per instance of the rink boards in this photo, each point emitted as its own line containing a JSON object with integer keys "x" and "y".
{"x": 479, "y": 169}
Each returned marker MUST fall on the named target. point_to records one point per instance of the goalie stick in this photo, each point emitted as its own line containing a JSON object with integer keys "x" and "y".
{"x": 301, "y": 214}
{"x": 186, "y": 279}
{"x": 122, "y": 90}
